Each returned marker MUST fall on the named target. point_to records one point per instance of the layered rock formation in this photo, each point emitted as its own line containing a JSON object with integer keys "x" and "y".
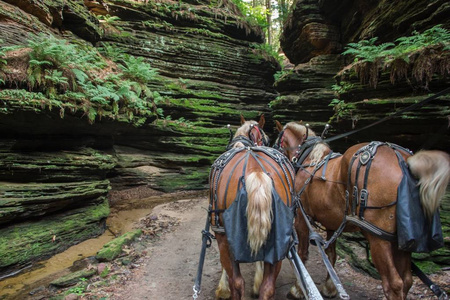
{"x": 63, "y": 146}
{"x": 324, "y": 88}
{"x": 313, "y": 39}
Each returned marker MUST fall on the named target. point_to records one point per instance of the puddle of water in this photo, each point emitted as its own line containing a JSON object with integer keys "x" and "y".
{"x": 122, "y": 219}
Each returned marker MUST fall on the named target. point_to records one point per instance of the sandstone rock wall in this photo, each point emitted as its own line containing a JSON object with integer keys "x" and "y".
{"x": 313, "y": 39}
{"x": 59, "y": 156}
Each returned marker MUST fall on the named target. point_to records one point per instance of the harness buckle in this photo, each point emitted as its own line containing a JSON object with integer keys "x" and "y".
{"x": 354, "y": 199}
{"x": 363, "y": 200}
{"x": 209, "y": 237}
{"x": 308, "y": 180}
{"x": 363, "y": 196}
{"x": 355, "y": 195}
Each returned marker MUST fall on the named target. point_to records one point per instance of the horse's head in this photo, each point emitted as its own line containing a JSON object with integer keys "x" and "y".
{"x": 299, "y": 142}
{"x": 253, "y": 131}
{"x": 291, "y": 136}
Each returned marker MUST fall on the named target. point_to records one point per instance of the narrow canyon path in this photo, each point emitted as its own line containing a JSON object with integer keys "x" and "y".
{"x": 169, "y": 270}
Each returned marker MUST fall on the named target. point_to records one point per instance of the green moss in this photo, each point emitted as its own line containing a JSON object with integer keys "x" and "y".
{"x": 428, "y": 267}
{"x": 73, "y": 278}
{"x": 112, "y": 249}
{"x": 35, "y": 240}
{"x": 192, "y": 179}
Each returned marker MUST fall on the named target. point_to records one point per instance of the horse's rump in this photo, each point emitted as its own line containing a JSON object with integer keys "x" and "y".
{"x": 230, "y": 189}
{"x": 366, "y": 190}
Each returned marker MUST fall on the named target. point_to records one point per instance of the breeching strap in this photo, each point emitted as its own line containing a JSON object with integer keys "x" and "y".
{"x": 433, "y": 287}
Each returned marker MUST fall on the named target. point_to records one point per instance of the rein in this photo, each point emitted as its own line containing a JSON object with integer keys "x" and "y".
{"x": 406, "y": 109}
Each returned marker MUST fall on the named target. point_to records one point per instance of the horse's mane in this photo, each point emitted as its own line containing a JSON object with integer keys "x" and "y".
{"x": 245, "y": 128}
{"x": 319, "y": 150}
{"x": 298, "y": 129}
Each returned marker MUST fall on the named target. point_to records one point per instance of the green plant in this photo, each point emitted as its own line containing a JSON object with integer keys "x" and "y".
{"x": 79, "y": 289}
{"x": 54, "y": 79}
{"x": 108, "y": 19}
{"x": 2, "y": 54}
{"x": 280, "y": 74}
{"x": 341, "y": 109}
{"x": 342, "y": 87}
{"x": 366, "y": 50}
{"x": 255, "y": 15}
{"x": 137, "y": 69}
{"x": 265, "y": 52}
{"x": 112, "y": 52}
{"x": 412, "y": 53}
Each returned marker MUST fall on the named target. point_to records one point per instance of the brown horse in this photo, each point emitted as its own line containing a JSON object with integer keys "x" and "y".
{"x": 324, "y": 182}
{"x": 251, "y": 189}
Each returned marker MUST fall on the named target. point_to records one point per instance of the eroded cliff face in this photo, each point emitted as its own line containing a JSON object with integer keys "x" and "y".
{"x": 70, "y": 133}
{"x": 323, "y": 86}
{"x": 313, "y": 39}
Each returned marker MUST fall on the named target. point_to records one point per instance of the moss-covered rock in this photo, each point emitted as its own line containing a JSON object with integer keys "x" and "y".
{"x": 73, "y": 278}
{"x": 31, "y": 241}
{"x": 112, "y": 249}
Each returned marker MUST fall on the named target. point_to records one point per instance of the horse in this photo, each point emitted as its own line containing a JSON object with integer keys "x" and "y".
{"x": 251, "y": 190}
{"x": 335, "y": 189}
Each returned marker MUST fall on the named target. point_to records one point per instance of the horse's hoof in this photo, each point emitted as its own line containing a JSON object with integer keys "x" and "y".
{"x": 328, "y": 292}
{"x": 293, "y": 297}
{"x": 223, "y": 295}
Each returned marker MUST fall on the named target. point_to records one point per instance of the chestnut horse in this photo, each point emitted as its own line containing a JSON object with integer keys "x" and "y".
{"x": 251, "y": 190}
{"x": 325, "y": 199}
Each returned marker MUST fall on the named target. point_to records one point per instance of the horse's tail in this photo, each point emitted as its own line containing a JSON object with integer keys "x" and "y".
{"x": 433, "y": 170}
{"x": 259, "y": 209}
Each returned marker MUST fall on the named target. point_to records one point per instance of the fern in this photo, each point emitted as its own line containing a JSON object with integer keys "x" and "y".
{"x": 135, "y": 68}
{"x": 112, "y": 52}
{"x": 366, "y": 50}
{"x": 2, "y": 54}
{"x": 369, "y": 58}
{"x": 109, "y": 19}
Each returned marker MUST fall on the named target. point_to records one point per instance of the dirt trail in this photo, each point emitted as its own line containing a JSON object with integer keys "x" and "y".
{"x": 170, "y": 267}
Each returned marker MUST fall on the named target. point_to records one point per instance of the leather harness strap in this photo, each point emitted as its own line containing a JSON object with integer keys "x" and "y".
{"x": 255, "y": 152}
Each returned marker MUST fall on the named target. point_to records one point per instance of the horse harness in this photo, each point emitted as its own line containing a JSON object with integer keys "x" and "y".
{"x": 353, "y": 194}
{"x": 249, "y": 140}
{"x": 356, "y": 196}
{"x": 254, "y": 152}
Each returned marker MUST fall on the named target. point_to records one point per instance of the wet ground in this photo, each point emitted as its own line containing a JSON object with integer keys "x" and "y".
{"x": 162, "y": 264}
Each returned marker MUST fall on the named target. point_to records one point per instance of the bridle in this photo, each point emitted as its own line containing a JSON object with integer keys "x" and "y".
{"x": 262, "y": 141}
{"x": 299, "y": 149}
{"x": 250, "y": 140}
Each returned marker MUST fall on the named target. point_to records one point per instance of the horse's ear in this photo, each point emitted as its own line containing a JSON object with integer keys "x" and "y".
{"x": 300, "y": 122}
{"x": 242, "y": 119}
{"x": 278, "y": 125}
{"x": 262, "y": 121}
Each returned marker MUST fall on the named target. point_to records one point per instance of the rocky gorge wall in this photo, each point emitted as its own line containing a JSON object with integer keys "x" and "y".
{"x": 322, "y": 85}
{"x": 114, "y": 95}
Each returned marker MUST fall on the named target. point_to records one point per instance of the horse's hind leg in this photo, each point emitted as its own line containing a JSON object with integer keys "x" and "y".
{"x": 383, "y": 259}
{"x": 223, "y": 289}
{"x": 259, "y": 269}
{"x": 235, "y": 280}
{"x": 403, "y": 265}
{"x": 328, "y": 289}
{"x": 267, "y": 289}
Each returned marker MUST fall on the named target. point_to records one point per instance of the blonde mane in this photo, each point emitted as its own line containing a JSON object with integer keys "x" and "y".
{"x": 245, "y": 128}
{"x": 298, "y": 129}
{"x": 319, "y": 150}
